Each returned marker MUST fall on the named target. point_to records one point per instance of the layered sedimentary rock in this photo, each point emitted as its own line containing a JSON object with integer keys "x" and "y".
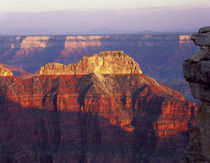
{"x": 160, "y": 55}
{"x": 31, "y": 44}
{"x": 166, "y": 50}
{"x": 108, "y": 62}
{"x": 4, "y": 71}
{"x": 77, "y": 44}
{"x": 84, "y": 41}
{"x": 92, "y": 117}
{"x": 197, "y": 73}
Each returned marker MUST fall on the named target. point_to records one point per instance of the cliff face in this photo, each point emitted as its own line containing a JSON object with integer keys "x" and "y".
{"x": 92, "y": 118}
{"x": 167, "y": 51}
{"x": 31, "y": 44}
{"x": 197, "y": 73}
{"x": 4, "y": 71}
{"x": 108, "y": 62}
{"x": 160, "y": 56}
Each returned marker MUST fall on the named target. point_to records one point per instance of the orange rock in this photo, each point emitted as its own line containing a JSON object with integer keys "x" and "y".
{"x": 121, "y": 112}
{"x": 113, "y": 112}
{"x": 108, "y": 62}
{"x": 4, "y": 71}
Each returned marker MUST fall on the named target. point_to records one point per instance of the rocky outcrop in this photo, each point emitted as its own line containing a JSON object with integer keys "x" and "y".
{"x": 4, "y": 71}
{"x": 108, "y": 62}
{"x": 31, "y": 44}
{"x": 76, "y": 42}
{"x": 197, "y": 73}
{"x": 18, "y": 71}
{"x": 95, "y": 117}
{"x": 122, "y": 117}
{"x": 160, "y": 55}
{"x": 184, "y": 39}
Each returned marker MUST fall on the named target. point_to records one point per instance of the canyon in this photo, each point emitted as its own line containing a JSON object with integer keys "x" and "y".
{"x": 160, "y": 55}
{"x": 85, "y": 112}
{"x": 197, "y": 72}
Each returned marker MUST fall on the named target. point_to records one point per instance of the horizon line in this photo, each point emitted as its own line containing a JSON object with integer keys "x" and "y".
{"x": 106, "y": 9}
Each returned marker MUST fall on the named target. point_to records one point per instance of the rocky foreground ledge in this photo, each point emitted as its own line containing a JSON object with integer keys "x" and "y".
{"x": 197, "y": 72}
{"x": 107, "y": 62}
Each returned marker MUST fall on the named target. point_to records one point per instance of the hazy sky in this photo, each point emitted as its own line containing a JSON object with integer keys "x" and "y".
{"x": 101, "y": 16}
{"x": 49, "y": 5}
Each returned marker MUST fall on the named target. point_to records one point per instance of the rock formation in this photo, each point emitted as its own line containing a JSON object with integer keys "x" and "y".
{"x": 17, "y": 71}
{"x": 76, "y": 42}
{"x": 108, "y": 62}
{"x": 30, "y": 52}
{"x": 160, "y": 55}
{"x": 31, "y": 44}
{"x": 197, "y": 73}
{"x": 4, "y": 71}
{"x": 95, "y": 117}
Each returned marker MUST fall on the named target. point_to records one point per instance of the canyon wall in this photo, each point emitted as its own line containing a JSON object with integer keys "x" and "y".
{"x": 92, "y": 117}
{"x": 160, "y": 55}
{"x": 197, "y": 73}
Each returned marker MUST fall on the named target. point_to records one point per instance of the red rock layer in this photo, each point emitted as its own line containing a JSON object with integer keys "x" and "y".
{"x": 93, "y": 117}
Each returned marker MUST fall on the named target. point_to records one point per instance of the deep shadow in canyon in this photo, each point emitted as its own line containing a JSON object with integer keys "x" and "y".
{"x": 36, "y": 135}
{"x": 91, "y": 118}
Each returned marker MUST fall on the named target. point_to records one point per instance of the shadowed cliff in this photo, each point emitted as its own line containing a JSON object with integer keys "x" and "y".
{"x": 197, "y": 73}
{"x": 79, "y": 118}
{"x": 93, "y": 117}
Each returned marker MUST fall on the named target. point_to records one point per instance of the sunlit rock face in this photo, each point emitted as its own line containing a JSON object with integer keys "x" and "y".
{"x": 197, "y": 73}
{"x": 95, "y": 117}
{"x": 4, "y": 71}
{"x": 34, "y": 42}
{"x": 108, "y": 62}
{"x": 83, "y": 41}
{"x": 17, "y": 71}
{"x": 76, "y": 44}
{"x": 160, "y": 56}
{"x": 31, "y": 44}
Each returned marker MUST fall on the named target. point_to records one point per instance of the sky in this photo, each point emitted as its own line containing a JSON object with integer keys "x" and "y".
{"x": 49, "y": 5}
{"x": 101, "y": 16}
